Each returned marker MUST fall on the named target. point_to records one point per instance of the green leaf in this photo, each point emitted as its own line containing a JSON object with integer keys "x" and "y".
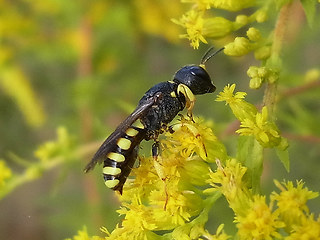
{"x": 250, "y": 154}
{"x": 283, "y": 155}
{"x": 309, "y": 7}
{"x": 244, "y": 145}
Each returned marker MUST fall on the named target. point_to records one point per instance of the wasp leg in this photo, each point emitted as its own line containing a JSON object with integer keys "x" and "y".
{"x": 155, "y": 150}
{"x": 170, "y": 129}
{"x": 190, "y": 98}
{"x": 157, "y": 165}
{"x": 159, "y": 169}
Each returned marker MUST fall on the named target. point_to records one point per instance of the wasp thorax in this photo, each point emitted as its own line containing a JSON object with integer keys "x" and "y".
{"x": 196, "y": 78}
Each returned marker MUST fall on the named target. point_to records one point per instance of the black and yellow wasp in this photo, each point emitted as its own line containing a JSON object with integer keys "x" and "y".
{"x": 155, "y": 110}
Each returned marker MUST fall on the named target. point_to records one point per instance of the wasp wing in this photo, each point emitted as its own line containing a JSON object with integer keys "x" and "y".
{"x": 107, "y": 145}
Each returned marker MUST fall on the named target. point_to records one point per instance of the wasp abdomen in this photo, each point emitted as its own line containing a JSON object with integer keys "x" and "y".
{"x": 121, "y": 158}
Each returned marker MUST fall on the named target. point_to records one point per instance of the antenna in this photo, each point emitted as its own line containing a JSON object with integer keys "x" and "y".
{"x": 209, "y": 54}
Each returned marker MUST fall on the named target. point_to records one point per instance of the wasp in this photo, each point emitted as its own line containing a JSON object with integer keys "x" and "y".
{"x": 155, "y": 110}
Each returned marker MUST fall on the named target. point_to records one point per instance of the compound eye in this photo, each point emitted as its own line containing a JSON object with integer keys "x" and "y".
{"x": 200, "y": 73}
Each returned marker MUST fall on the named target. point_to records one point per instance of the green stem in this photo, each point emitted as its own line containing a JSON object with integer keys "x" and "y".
{"x": 275, "y": 60}
{"x": 36, "y": 170}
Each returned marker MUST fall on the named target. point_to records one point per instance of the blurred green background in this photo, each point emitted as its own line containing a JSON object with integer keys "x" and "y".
{"x": 84, "y": 65}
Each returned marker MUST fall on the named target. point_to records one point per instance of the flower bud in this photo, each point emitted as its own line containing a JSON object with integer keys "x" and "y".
{"x": 252, "y": 71}
{"x": 254, "y": 34}
{"x": 241, "y": 46}
{"x": 262, "y": 72}
{"x": 242, "y": 20}
{"x": 261, "y": 16}
{"x": 255, "y": 83}
{"x": 262, "y": 53}
{"x": 217, "y": 27}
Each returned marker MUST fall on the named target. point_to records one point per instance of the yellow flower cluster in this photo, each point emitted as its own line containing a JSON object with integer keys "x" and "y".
{"x": 166, "y": 194}
{"x": 253, "y": 123}
{"x": 170, "y": 196}
{"x": 259, "y": 75}
{"x": 61, "y": 146}
{"x": 292, "y": 203}
{"x": 228, "y": 180}
{"x": 200, "y": 28}
{"x": 259, "y": 222}
{"x": 83, "y": 235}
{"x": 254, "y": 218}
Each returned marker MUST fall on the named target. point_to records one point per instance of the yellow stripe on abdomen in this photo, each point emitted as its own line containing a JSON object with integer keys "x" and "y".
{"x": 111, "y": 171}
{"x": 111, "y": 183}
{"x": 131, "y": 132}
{"x": 124, "y": 143}
{"x": 138, "y": 124}
{"x": 118, "y": 157}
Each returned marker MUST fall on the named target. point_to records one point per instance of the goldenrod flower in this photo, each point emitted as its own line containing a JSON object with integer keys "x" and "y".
{"x": 220, "y": 234}
{"x": 176, "y": 208}
{"x": 309, "y": 229}
{"x": 193, "y": 21}
{"x": 228, "y": 96}
{"x": 83, "y": 235}
{"x": 137, "y": 215}
{"x": 232, "y": 5}
{"x": 228, "y": 180}
{"x": 253, "y": 123}
{"x": 5, "y": 173}
{"x": 259, "y": 222}
{"x": 265, "y": 132}
{"x": 189, "y": 137}
{"x": 165, "y": 193}
{"x": 200, "y": 4}
{"x": 50, "y": 149}
{"x": 291, "y": 201}
{"x": 138, "y": 223}
{"x": 240, "y": 108}
{"x": 198, "y": 28}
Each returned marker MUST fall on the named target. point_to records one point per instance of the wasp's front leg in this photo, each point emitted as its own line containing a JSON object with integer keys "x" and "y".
{"x": 189, "y": 96}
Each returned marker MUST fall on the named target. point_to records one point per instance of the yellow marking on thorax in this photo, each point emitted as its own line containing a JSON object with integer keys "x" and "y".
{"x": 116, "y": 157}
{"x": 124, "y": 143}
{"x": 132, "y": 132}
{"x": 111, "y": 171}
{"x": 111, "y": 183}
{"x": 173, "y": 94}
{"x": 138, "y": 124}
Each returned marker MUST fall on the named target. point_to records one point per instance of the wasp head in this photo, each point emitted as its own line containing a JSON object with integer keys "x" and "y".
{"x": 196, "y": 78}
